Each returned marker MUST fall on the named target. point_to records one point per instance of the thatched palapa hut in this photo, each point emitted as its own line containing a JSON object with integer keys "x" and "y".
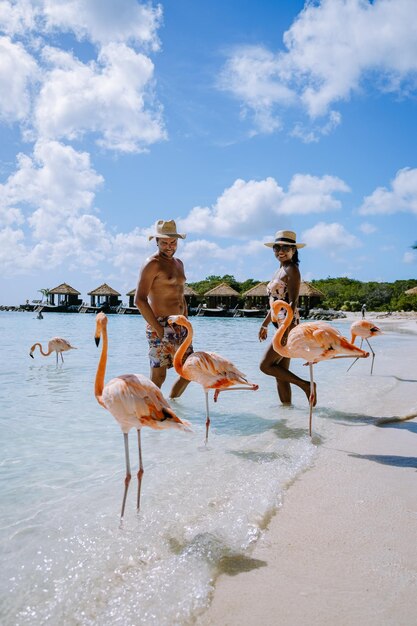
{"x": 309, "y": 297}
{"x": 131, "y": 296}
{"x": 104, "y": 296}
{"x": 223, "y": 296}
{"x": 66, "y": 296}
{"x": 256, "y": 297}
{"x": 190, "y": 297}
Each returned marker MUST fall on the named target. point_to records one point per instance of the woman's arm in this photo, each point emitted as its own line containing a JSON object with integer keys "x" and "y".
{"x": 263, "y": 331}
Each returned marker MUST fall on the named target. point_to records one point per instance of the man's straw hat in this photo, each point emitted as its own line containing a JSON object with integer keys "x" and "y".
{"x": 166, "y": 230}
{"x": 283, "y": 237}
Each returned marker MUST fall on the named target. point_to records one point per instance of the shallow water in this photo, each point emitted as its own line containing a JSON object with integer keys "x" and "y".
{"x": 65, "y": 558}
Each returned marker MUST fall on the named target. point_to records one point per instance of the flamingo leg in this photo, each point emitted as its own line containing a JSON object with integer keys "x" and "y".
{"x": 250, "y": 388}
{"x": 352, "y": 364}
{"x": 311, "y": 399}
{"x": 140, "y": 472}
{"x": 56, "y": 357}
{"x": 373, "y": 356}
{"x": 207, "y": 415}
{"x": 128, "y": 474}
{"x": 62, "y": 357}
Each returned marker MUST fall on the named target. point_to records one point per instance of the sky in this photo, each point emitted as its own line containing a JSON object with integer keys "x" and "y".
{"x": 236, "y": 119}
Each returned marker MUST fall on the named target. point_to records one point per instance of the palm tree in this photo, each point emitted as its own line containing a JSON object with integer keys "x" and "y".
{"x": 45, "y": 293}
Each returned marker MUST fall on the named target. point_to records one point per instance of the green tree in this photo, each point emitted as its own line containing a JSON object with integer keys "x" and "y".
{"x": 45, "y": 293}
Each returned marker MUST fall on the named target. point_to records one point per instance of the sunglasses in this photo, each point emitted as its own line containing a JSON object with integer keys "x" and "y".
{"x": 284, "y": 248}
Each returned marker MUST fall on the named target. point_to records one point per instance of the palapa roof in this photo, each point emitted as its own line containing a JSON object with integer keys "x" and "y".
{"x": 222, "y": 290}
{"x": 412, "y": 291}
{"x": 104, "y": 290}
{"x": 308, "y": 290}
{"x": 188, "y": 291}
{"x": 64, "y": 288}
{"x": 256, "y": 290}
{"x": 131, "y": 293}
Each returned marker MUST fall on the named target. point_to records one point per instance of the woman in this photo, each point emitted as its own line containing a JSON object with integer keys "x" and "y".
{"x": 285, "y": 285}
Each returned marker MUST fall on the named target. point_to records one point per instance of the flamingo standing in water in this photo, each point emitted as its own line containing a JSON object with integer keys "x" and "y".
{"x": 364, "y": 329}
{"x": 210, "y": 370}
{"x": 134, "y": 401}
{"x": 312, "y": 341}
{"x": 57, "y": 344}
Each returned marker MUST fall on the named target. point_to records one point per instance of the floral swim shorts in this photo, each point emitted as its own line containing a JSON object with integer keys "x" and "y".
{"x": 162, "y": 351}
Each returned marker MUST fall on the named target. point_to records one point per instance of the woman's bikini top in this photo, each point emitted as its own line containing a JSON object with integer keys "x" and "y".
{"x": 277, "y": 289}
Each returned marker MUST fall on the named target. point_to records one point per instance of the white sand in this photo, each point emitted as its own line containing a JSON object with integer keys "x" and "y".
{"x": 342, "y": 550}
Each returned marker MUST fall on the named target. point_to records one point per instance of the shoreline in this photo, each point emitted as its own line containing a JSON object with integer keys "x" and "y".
{"x": 341, "y": 549}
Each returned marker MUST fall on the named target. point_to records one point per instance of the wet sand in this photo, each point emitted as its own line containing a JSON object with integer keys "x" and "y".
{"x": 342, "y": 548}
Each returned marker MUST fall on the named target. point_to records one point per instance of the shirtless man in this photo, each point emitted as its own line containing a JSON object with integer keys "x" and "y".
{"x": 159, "y": 294}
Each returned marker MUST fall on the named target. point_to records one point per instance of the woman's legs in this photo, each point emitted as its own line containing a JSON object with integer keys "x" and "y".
{"x": 273, "y": 364}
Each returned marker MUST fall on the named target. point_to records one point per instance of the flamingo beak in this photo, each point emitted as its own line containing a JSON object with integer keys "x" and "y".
{"x": 97, "y": 340}
{"x": 30, "y": 354}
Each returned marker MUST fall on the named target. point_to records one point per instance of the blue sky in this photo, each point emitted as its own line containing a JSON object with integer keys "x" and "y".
{"x": 235, "y": 118}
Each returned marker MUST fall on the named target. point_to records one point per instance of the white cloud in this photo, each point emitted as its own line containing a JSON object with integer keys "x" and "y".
{"x": 105, "y": 21}
{"x": 100, "y": 21}
{"x": 330, "y": 238}
{"x": 18, "y": 71}
{"x": 248, "y": 209}
{"x": 18, "y": 17}
{"x": 130, "y": 249}
{"x": 310, "y": 194}
{"x": 313, "y": 133}
{"x": 332, "y": 49}
{"x": 113, "y": 98}
{"x": 57, "y": 182}
{"x": 401, "y": 197}
{"x": 409, "y": 257}
{"x": 367, "y": 228}
{"x": 252, "y": 75}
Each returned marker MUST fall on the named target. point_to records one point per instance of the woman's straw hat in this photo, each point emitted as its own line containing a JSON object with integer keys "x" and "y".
{"x": 285, "y": 237}
{"x": 166, "y": 230}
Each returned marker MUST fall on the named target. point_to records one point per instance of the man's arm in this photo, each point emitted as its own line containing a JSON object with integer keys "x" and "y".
{"x": 146, "y": 278}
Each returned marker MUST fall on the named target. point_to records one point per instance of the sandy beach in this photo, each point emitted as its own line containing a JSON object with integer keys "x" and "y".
{"x": 341, "y": 549}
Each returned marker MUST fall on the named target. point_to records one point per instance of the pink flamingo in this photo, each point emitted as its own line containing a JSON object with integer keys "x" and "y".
{"x": 364, "y": 329}
{"x": 312, "y": 341}
{"x": 57, "y": 344}
{"x": 134, "y": 401}
{"x": 210, "y": 370}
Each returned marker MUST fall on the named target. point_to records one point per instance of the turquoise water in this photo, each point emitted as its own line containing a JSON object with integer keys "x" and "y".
{"x": 65, "y": 558}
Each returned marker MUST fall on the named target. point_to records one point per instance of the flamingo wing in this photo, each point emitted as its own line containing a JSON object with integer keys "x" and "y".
{"x": 212, "y": 370}
{"x": 311, "y": 341}
{"x": 135, "y": 401}
{"x": 59, "y": 344}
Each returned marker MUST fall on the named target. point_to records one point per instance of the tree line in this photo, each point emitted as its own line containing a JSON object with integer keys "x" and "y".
{"x": 340, "y": 293}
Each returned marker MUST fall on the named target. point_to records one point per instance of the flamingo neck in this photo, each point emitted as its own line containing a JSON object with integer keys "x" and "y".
{"x": 101, "y": 368}
{"x": 41, "y": 349}
{"x": 179, "y": 355}
{"x": 276, "y": 342}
